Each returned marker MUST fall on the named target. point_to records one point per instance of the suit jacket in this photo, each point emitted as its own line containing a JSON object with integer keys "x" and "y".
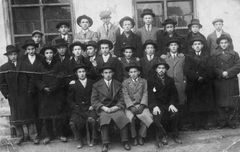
{"x": 133, "y": 40}
{"x": 212, "y": 42}
{"x": 69, "y": 40}
{"x": 147, "y": 66}
{"x": 125, "y": 63}
{"x": 146, "y": 35}
{"x": 110, "y": 35}
{"x": 85, "y": 37}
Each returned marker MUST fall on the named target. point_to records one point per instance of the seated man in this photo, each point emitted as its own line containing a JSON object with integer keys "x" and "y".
{"x": 163, "y": 97}
{"x": 107, "y": 100}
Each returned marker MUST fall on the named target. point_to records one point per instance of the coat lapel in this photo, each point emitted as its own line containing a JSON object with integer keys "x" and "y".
{"x": 103, "y": 88}
{"x": 116, "y": 88}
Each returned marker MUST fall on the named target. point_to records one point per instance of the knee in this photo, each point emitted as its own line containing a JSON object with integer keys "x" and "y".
{"x": 91, "y": 120}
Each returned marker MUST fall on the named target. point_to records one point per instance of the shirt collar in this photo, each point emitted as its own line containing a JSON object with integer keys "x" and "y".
{"x": 106, "y": 81}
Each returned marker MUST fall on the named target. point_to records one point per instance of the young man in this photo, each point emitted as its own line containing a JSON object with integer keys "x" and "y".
{"x": 148, "y": 31}
{"x": 127, "y": 60}
{"x": 199, "y": 87}
{"x": 128, "y": 37}
{"x": 107, "y": 100}
{"x": 82, "y": 113}
{"x": 169, "y": 32}
{"x": 85, "y": 34}
{"x": 149, "y": 59}
{"x": 63, "y": 29}
{"x": 226, "y": 65}
{"x": 212, "y": 38}
{"x": 108, "y": 30}
{"x": 37, "y": 38}
{"x": 163, "y": 98}
{"x": 136, "y": 99}
{"x": 106, "y": 58}
{"x": 194, "y": 28}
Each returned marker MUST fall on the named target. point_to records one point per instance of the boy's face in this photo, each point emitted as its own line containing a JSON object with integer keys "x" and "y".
{"x": 173, "y": 47}
{"x": 31, "y": 50}
{"x": 133, "y": 73}
{"x": 62, "y": 50}
{"x": 63, "y": 29}
{"x": 147, "y": 19}
{"x": 224, "y": 44}
{"x": 218, "y": 26}
{"x": 77, "y": 51}
{"x": 48, "y": 54}
{"x": 81, "y": 73}
{"x": 107, "y": 74}
{"x": 128, "y": 53}
{"x": 195, "y": 28}
{"x": 84, "y": 24}
{"x": 161, "y": 70}
{"x": 13, "y": 56}
{"x": 106, "y": 20}
{"x": 197, "y": 46}
{"x": 91, "y": 51}
{"x": 105, "y": 49}
{"x": 169, "y": 28}
{"x": 150, "y": 50}
{"x": 127, "y": 26}
{"x": 37, "y": 38}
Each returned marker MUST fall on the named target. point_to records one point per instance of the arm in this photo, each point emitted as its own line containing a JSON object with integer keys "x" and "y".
{"x": 128, "y": 101}
{"x": 70, "y": 96}
{"x": 95, "y": 102}
{"x": 234, "y": 70}
{"x": 144, "y": 100}
{"x": 3, "y": 84}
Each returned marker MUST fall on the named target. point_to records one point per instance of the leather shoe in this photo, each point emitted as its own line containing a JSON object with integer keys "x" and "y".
{"x": 126, "y": 146}
{"x": 164, "y": 141}
{"x": 105, "y": 148}
{"x": 140, "y": 141}
{"x": 177, "y": 140}
{"x": 63, "y": 139}
{"x": 135, "y": 143}
{"x": 46, "y": 140}
{"x": 18, "y": 141}
{"x": 36, "y": 141}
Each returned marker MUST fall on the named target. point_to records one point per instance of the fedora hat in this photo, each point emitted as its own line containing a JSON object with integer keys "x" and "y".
{"x": 37, "y": 32}
{"x": 161, "y": 62}
{"x": 173, "y": 40}
{"x": 60, "y": 42}
{"x": 105, "y": 14}
{"x": 76, "y": 43}
{"x": 10, "y": 49}
{"x": 29, "y": 42}
{"x": 107, "y": 66}
{"x": 133, "y": 65}
{"x": 80, "y": 66}
{"x": 127, "y": 18}
{"x": 46, "y": 47}
{"x": 147, "y": 11}
{"x": 79, "y": 19}
{"x": 223, "y": 37}
{"x": 149, "y": 42}
{"x": 62, "y": 23}
{"x": 105, "y": 41}
{"x": 169, "y": 21}
{"x": 195, "y": 22}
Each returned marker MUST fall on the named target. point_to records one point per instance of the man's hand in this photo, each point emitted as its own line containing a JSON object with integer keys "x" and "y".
{"x": 114, "y": 109}
{"x": 225, "y": 74}
{"x": 72, "y": 82}
{"x": 134, "y": 110}
{"x": 141, "y": 108}
{"x": 172, "y": 108}
{"x": 90, "y": 108}
{"x": 106, "y": 109}
{"x": 46, "y": 89}
{"x": 156, "y": 110}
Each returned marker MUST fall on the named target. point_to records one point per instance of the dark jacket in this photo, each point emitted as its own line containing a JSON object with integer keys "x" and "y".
{"x": 147, "y": 66}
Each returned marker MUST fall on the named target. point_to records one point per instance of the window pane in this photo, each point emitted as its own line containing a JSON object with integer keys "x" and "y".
{"x": 25, "y": 20}
{"x": 157, "y": 8}
{"x": 181, "y": 11}
{"x": 49, "y": 38}
{"x": 19, "y": 41}
{"x": 55, "y": 1}
{"x": 25, "y": 1}
{"x": 53, "y": 15}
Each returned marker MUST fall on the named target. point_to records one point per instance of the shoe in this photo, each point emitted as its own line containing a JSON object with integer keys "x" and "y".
{"x": 46, "y": 140}
{"x": 80, "y": 145}
{"x": 135, "y": 142}
{"x": 18, "y": 141}
{"x": 105, "y": 148}
{"x": 36, "y": 141}
{"x": 140, "y": 141}
{"x": 164, "y": 141}
{"x": 126, "y": 146}
{"x": 232, "y": 126}
{"x": 63, "y": 139}
{"x": 177, "y": 140}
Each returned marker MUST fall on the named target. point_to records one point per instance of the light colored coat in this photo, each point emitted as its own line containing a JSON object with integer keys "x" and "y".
{"x": 146, "y": 35}
{"x": 135, "y": 93}
{"x": 85, "y": 37}
{"x": 111, "y": 35}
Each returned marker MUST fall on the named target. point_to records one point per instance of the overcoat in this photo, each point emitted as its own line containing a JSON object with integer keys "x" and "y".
{"x": 226, "y": 89}
{"x": 109, "y": 35}
{"x": 102, "y": 96}
{"x": 200, "y": 95}
{"x": 125, "y": 63}
{"x": 136, "y": 93}
{"x": 190, "y": 36}
{"x": 176, "y": 72}
{"x": 147, "y": 35}
{"x": 69, "y": 40}
{"x": 85, "y": 37}
{"x": 147, "y": 66}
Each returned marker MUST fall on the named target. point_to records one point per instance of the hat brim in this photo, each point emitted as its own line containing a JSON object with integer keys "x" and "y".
{"x": 134, "y": 66}
{"x": 173, "y": 41}
{"x": 7, "y": 53}
{"x": 77, "y": 44}
{"x": 189, "y": 25}
{"x": 79, "y": 19}
{"x": 128, "y": 47}
{"x": 223, "y": 38}
{"x": 40, "y": 33}
{"x": 165, "y": 64}
{"x": 143, "y": 14}
{"x": 29, "y": 44}
{"x": 80, "y": 67}
{"x": 107, "y": 67}
{"x": 194, "y": 40}
{"x": 126, "y": 19}
{"x": 104, "y": 41}
{"x": 60, "y": 24}
{"x": 174, "y": 23}
{"x": 152, "y": 43}
{"x": 42, "y": 51}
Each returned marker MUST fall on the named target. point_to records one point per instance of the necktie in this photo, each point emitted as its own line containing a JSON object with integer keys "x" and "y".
{"x": 107, "y": 29}
{"x": 148, "y": 28}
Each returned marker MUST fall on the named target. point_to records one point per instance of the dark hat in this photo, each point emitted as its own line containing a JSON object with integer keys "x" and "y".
{"x": 161, "y": 62}
{"x": 91, "y": 43}
{"x": 28, "y": 43}
{"x": 79, "y": 19}
{"x": 197, "y": 38}
{"x": 128, "y": 46}
{"x": 127, "y": 18}
{"x": 222, "y": 37}
{"x": 173, "y": 40}
{"x": 217, "y": 20}
{"x": 105, "y": 41}
{"x": 149, "y": 42}
{"x": 105, "y": 14}
{"x": 195, "y": 22}
{"x": 147, "y": 11}
{"x": 60, "y": 42}
{"x": 46, "y": 47}
{"x": 62, "y": 23}
{"x": 133, "y": 65}
{"x": 10, "y": 49}
{"x": 107, "y": 66}
{"x": 37, "y": 32}
{"x": 76, "y": 43}
{"x": 169, "y": 21}
{"x": 80, "y": 66}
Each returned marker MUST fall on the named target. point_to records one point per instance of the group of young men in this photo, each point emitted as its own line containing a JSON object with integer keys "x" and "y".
{"x": 107, "y": 80}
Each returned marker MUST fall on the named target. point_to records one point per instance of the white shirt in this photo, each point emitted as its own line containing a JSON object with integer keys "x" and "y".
{"x": 83, "y": 82}
{"x": 150, "y": 57}
{"x": 107, "y": 26}
{"x": 198, "y": 53}
{"x": 92, "y": 58}
{"x": 148, "y": 27}
{"x": 173, "y": 55}
{"x": 85, "y": 31}
{"x": 48, "y": 61}
{"x": 32, "y": 58}
{"x": 65, "y": 37}
{"x": 219, "y": 33}
{"x": 105, "y": 58}
{"x": 108, "y": 83}
{"x": 15, "y": 63}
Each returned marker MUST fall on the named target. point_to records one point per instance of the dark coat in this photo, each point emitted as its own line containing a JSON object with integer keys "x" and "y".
{"x": 69, "y": 40}
{"x": 133, "y": 40}
{"x": 161, "y": 95}
{"x": 64, "y": 69}
{"x": 200, "y": 95}
{"x": 115, "y": 63}
{"x": 125, "y": 63}
{"x": 102, "y": 96}
{"x": 163, "y": 38}
{"x": 226, "y": 89}
{"x": 147, "y": 66}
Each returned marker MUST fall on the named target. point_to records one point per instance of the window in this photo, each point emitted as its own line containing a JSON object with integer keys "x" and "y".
{"x": 29, "y": 15}
{"x": 181, "y": 11}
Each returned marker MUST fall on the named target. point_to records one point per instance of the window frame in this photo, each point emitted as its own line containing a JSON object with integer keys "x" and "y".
{"x": 41, "y": 6}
